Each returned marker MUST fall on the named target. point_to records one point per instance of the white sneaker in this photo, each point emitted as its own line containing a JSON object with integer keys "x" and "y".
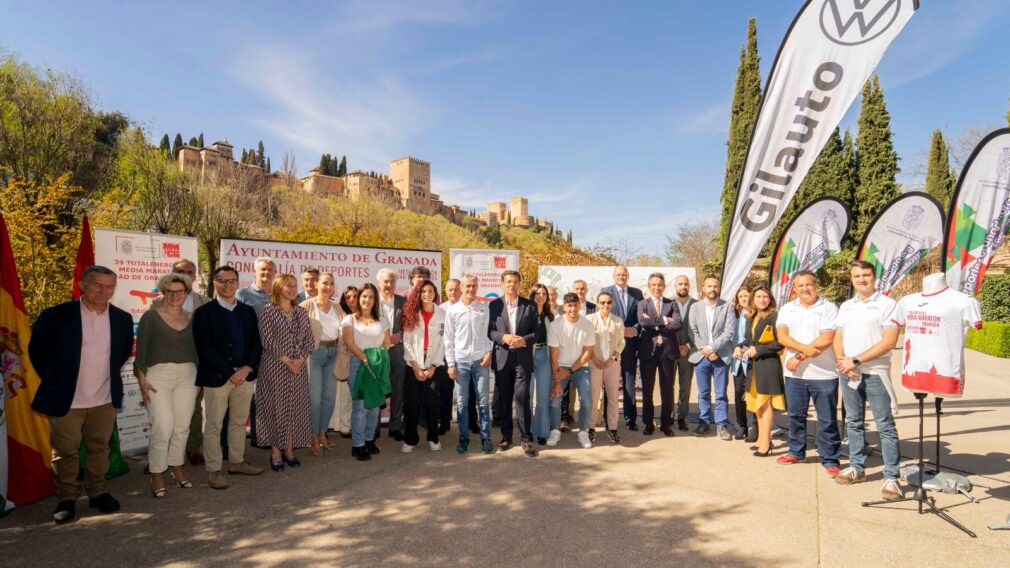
{"x": 554, "y": 438}
{"x": 407, "y": 448}
{"x": 891, "y": 490}
{"x": 435, "y": 446}
{"x": 584, "y": 439}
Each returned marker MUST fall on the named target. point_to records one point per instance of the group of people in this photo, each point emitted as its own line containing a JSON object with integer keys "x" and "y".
{"x": 315, "y": 353}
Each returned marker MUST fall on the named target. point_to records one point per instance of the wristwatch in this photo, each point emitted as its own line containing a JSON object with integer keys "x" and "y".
{"x": 856, "y": 362}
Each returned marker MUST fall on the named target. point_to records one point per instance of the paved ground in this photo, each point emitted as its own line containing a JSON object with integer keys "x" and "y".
{"x": 653, "y": 501}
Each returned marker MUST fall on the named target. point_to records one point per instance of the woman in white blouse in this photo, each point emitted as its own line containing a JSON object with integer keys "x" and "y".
{"x": 423, "y": 326}
{"x": 605, "y": 363}
{"x": 325, "y": 316}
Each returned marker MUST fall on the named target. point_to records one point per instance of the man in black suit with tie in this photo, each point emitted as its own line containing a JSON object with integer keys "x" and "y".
{"x": 659, "y": 350}
{"x": 512, "y": 327}
{"x": 626, "y": 300}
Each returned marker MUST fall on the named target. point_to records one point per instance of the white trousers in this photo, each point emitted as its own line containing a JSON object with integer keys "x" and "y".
{"x": 171, "y": 410}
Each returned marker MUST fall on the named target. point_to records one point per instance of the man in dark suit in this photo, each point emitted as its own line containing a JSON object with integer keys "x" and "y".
{"x": 626, "y": 300}
{"x": 391, "y": 307}
{"x": 659, "y": 350}
{"x": 684, "y": 368}
{"x": 78, "y": 349}
{"x": 581, "y": 289}
{"x": 512, "y": 327}
{"x": 226, "y": 333}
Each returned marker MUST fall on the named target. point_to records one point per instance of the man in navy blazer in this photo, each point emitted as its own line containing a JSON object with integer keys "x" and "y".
{"x": 512, "y": 327}
{"x": 626, "y": 300}
{"x": 78, "y": 349}
{"x": 658, "y": 349}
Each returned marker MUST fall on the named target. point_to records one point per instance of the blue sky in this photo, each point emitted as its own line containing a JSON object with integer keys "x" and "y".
{"x": 610, "y": 117}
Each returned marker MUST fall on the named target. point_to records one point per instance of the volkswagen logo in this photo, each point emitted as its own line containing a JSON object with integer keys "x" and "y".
{"x": 854, "y": 22}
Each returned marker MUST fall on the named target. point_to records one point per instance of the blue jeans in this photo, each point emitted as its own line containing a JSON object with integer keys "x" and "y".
{"x": 322, "y": 387}
{"x": 706, "y": 373}
{"x": 467, "y": 372}
{"x": 542, "y": 382}
{"x": 363, "y": 421}
{"x": 582, "y": 385}
{"x": 824, "y": 393}
{"x": 870, "y": 389}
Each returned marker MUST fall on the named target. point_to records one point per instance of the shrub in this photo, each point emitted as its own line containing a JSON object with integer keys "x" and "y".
{"x": 992, "y": 339}
{"x": 994, "y": 297}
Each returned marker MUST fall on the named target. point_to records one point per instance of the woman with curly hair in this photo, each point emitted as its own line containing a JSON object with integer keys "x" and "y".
{"x": 423, "y": 325}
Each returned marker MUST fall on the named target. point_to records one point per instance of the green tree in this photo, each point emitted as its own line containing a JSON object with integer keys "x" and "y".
{"x": 876, "y": 159}
{"x": 176, "y": 144}
{"x": 199, "y": 140}
{"x": 193, "y": 141}
{"x": 939, "y": 176}
{"x": 569, "y": 239}
{"x": 166, "y": 145}
{"x": 268, "y": 166}
{"x": 245, "y": 156}
{"x": 342, "y": 168}
{"x": 743, "y": 113}
{"x": 261, "y": 160}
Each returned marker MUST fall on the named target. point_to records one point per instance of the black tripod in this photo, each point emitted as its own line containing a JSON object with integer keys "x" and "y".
{"x": 921, "y": 495}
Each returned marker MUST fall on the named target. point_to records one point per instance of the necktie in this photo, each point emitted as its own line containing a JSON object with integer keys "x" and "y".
{"x": 624, "y": 302}
{"x": 659, "y": 338}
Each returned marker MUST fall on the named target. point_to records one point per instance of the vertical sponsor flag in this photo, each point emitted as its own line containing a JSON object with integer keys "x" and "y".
{"x": 827, "y": 55}
{"x": 979, "y": 216}
{"x": 86, "y": 258}
{"x": 24, "y": 434}
{"x": 900, "y": 236}
{"x": 814, "y": 235}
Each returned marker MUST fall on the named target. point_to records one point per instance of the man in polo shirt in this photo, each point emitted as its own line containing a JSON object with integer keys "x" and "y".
{"x": 864, "y": 337}
{"x": 570, "y": 340}
{"x": 257, "y": 294}
{"x": 806, "y": 328}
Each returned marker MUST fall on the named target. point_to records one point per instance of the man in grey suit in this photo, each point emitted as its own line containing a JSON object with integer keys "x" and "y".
{"x": 684, "y": 370}
{"x": 626, "y": 300}
{"x": 712, "y": 321}
{"x": 391, "y": 307}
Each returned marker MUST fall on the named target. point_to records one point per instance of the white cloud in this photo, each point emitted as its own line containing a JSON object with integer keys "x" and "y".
{"x": 713, "y": 119}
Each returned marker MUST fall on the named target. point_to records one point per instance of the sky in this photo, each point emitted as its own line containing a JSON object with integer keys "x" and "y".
{"x": 610, "y": 117}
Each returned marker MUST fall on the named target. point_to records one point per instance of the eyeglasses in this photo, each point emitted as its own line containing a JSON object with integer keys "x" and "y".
{"x": 227, "y": 282}
{"x": 175, "y": 292}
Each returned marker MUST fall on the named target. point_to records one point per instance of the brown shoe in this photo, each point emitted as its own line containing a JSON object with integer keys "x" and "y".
{"x": 217, "y": 480}
{"x": 196, "y": 457}
{"x": 244, "y": 468}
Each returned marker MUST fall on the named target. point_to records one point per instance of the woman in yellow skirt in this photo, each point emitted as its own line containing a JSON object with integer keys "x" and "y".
{"x": 765, "y": 391}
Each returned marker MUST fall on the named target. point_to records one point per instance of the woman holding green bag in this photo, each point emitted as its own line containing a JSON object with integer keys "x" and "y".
{"x": 366, "y": 336}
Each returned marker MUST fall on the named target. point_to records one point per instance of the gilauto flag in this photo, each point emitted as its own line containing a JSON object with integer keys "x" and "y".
{"x": 828, "y": 53}
{"x": 979, "y": 216}
{"x": 812, "y": 236}
{"x": 900, "y": 236}
{"x": 24, "y": 434}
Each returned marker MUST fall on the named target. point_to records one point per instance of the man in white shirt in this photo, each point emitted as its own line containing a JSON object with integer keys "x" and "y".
{"x": 864, "y": 337}
{"x": 806, "y": 328}
{"x": 391, "y": 307}
{"x": 453, "y": 292}
{"x": 581, "y": 289}
{"x": 570, "y": 340}
{"x": 468, "y": 357}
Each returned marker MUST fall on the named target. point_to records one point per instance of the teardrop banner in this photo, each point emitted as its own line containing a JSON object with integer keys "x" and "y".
{"x": 813, "y": 236}
{"x": 900, "y": 236}
{"x": 979, "y": 216}
{"x": 827, "y": 55}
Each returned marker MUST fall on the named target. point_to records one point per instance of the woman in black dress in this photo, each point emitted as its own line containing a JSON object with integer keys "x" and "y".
{"x": 765, "y": 391}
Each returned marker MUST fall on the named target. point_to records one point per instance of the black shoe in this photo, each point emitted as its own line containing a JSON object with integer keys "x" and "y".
{"x": 371, "y": 448}
{"x": 701, "y": 430}
{"x": 361, "y": 452}
{"x": 65, "y": 512}
{"x": 614, "y": 438}
{"x": 741, "y": 434}
{"x": 345, "y": 436}
{"x": 542, "y": 441}
{"x": 752, "y": 437}
{"x": 592, "y": 434}
{"x": 666, "y": 430}
{"x": 486, "y": 447}
{"x": 530, "y": 449}
{"x": 397, "y": 435}
{"x": 682, "y": 425}
{"x": 105, "y": 504}
{"x": 633, "y": 427}
{"x": 504, "y": 444}
{"x": 293, "y": 462}
{"x": 649, "y": 429}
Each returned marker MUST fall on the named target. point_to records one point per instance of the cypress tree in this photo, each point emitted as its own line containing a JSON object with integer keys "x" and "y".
{"x": 342, "y": 168}
{"x": 743, "y": 113}
{"x": 324, "y": 165}
{"x": 177, "y": 143}
{"x": 876, "y": 160}
{"x": 268, "y": 166}
{"x": 939, "y": 178}
{"x": 245, "y": 156}
{"x": 261, "y": 160}
{"x": 166, "y": 145}
{"x": 199, "y": 140}
{"x": 569, "y": 236}
{"x": 193, "y": 141}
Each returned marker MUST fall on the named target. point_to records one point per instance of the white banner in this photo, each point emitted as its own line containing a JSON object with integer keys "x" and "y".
{"x": 139, "y": 260}
{"x": 826, "y": 57}
{"x": 814, "y": 235}
{"x": 599, "y": 277}
{"x": 980, "y": 215}
{"x": 487, "y": 265}
{"x": 900, "y": 236}
{"x": 351, "y": 266}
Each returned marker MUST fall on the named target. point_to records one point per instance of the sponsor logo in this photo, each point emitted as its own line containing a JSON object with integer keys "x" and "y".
{"x": 499, "y": 262}
{"x": 913, "y": 217}
{"x": 171, "y": 250}
{"x": 854, "y": 22}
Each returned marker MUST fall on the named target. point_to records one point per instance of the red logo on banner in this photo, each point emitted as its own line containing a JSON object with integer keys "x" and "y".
{"x": 171, "y": 250}
{"x": 499, "y": 262}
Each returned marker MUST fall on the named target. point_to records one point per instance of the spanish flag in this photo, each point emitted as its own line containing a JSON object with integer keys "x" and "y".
{"x": 27, "y": 454}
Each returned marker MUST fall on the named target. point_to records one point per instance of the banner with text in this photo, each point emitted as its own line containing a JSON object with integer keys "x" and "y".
{"x": 827, "y": 55}
{"x": 350, "y": 266}
{"x": 814, "y": 235}
{"x": 487, "y": 265}
{"x": 900, "y": 236}
{"x": 980, "y": 213}
{"x": 599, "y": 277}
{"x": 139, "y": 260}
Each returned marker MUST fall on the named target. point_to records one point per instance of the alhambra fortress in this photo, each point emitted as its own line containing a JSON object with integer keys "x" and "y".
{"x": 408, "y": 185}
